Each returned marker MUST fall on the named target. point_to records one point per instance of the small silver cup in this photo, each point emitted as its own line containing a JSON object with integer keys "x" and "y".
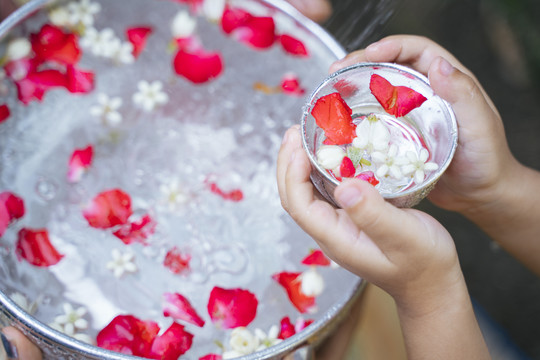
{"x": 434, "y": 121}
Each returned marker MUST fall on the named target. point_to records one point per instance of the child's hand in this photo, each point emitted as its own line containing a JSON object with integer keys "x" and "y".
{"x": 483, "y": 167}
{"x": 316, "y": 10}
{"x": 405, "y": 252}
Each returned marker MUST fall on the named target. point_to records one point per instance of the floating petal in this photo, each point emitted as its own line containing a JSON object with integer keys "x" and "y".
{"x": 138, "y": 36}
{"x": 291, "y": 283}
{"x": 80, "y": 161}
{"x": 316, "y": 257}
{"x": 198, "y": 66}
{"x": 108, "y": 209}
{"x": 179, "y": 308}
{"x": 333, "y": 115}
{"x": 35, "y": 247}
{"x": 293, "y": 46}
{"x": 232, "y": 308}
{"x": 170, "y": 345}
{"x": 396, "y": 100}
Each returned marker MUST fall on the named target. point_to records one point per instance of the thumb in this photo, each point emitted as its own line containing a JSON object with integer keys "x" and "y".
{"x": 387, "y": 226}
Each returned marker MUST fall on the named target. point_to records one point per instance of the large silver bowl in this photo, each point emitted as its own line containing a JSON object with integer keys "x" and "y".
{"x": 32, "y": 166}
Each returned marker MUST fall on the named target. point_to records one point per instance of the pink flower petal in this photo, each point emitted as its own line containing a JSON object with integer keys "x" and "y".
{"x": 291, "y": 283}
{"x": 301, "y": 324}
{"x": 177, "y": 262}
{"x": 108, "y": 209}
{"x": 127, "y": 334}
{"x": 293, "y": 46}
{"x": 11, "y": 208}
{"x": 79, "y": 81}
{"x": 368, "y": 176}
{"x": 80, "y": 161}
{"x": 290, "y": 84}
{"x": 52, "y": 44}
{"x": 137, "y": 231}
{"x": 231, "y": 308}
{"x": 170, "y": 345}
{"x": 179, "y": 308}
{"x": 316, "y": 257}
{"x": 19, "y": 69}
{"x": 35, "y": 247}
{"x": 4, "y": 113}
{"x": 137, "y": 36}
{"x": 198, "y": 66}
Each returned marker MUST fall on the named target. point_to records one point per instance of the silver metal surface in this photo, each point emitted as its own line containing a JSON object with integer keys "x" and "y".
{"x": 58, "y": 346}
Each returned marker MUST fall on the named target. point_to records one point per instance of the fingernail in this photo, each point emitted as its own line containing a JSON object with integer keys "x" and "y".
{"x": 8, "y": 350}
{"x": 349, "y": 196}
{"x": 445, "y": 68}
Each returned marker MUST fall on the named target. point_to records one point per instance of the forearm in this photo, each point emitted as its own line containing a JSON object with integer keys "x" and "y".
{"x": 443, "y": 327}
{"x": 512, "y": 216}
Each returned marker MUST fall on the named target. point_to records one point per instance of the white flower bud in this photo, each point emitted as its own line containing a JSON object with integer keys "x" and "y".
{"x": 183, "y": 25}
{"x": 18, "y": 48}
{"x": 330, "y": 156}
{"x": 243, "y": 341}
{"x": 213, "y": 9}
{"x": 312, "y": 283}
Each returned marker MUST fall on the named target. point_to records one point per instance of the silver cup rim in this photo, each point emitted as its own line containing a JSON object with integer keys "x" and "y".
{"x": 386, "y": 65}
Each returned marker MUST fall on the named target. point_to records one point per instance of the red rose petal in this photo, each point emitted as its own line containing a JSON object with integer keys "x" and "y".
{"x": 232, "y": 195}
{"x": 19, "y": 69}
{"x": 79, "y": 81}
{"x": 4, "y": 113}
{"x": 170, "y": 345}
{"x": 177, "y": 262}
{"x": 128, "y": 335}
{"x": 198, "y": 66}
{"x": 108, "y": 209}
{"x": 137, "y": 36}
{"x": 137, "y": 231}
{"x": 35, "y": 247}
{"x": 36, "y": 83}
{"x": 287, "y": 329}
{"x": 293, "y": 46}
{"x": 233, "y": 18}
{"x": 80, "y": 161}
{"x": 290, "y": 84}
{"x": 291, "y": 284}
{"x": 258, "y": 32}
{"x": 211, "y": 357}
{"x": 52, "y": 44}
{"x": 231, "y": 308}
{"x": 333, "y": 115}
{"x": 395, "y": 100}
{"x": 368, "y": 176}
{"x": 179, "y": 308}
{"x": 11, "y": 208}
{"x": 345, "y": 88}
{"x": 347, "y": 169}
{"x": 316, "y": 257}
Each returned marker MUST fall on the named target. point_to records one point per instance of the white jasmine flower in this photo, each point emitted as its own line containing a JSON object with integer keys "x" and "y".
{"x": 60, "y": 16}
{"x": 100, "y": 43}
{"x": 389, "y": 164}
{"x": 121, "y": 52}
{"x": 372, "y": 135}
{"x": 213, "y": 9}
{"x": 121, "y": 263}
{"x": 242, "y": 342}
{"x": 174, "y": 194}
{"x": 83, "y": 12}
{"x": 312, "y": 283}
{"x": 183, "y": 25}
{"x": 22, "y": 301}
{"x": 72, "y": 320}
{"x": 267, "y": 340}
{"x": 150, "y": 95}
{"x": 18, "y": 48}
{"x": 330, "y": 156}
{"x": 107, "y": 109}
{"x": 418, "y": 165}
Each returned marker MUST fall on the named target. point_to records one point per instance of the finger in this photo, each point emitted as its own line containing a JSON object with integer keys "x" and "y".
{"x": 467, "y": 97}
{"x": 332, "y": 228}
{"x": 18, "y": 346}
{"x": 291, "y": 142}
{"x": 392, "y": 229}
